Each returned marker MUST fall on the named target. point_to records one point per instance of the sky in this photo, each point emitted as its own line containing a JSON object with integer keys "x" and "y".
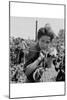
{"x": 24, "y": 27}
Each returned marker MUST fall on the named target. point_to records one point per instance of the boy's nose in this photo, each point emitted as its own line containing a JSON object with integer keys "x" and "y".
{"x": 45, "y": 46}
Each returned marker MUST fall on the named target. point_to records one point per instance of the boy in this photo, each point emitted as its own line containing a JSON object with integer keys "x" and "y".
{"x": 37, "y": 55}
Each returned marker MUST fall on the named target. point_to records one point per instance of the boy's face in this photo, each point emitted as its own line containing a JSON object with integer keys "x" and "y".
{"x": 44, "y": 42}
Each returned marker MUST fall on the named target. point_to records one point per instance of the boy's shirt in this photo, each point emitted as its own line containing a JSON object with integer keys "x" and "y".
{"x": 33, "y": 55}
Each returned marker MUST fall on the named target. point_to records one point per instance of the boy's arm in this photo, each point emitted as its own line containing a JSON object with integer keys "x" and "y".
{"x": 31, "y": 67}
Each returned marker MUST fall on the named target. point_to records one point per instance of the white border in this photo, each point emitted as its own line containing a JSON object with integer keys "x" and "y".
{"x": 36, "y": 89}
{"x": 36, "y": 10}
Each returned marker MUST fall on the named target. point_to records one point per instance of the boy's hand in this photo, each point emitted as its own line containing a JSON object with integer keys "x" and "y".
{"x": 44, "y": 52}
{"x": 38, "y": 73}
{"x": 43, "y": 55}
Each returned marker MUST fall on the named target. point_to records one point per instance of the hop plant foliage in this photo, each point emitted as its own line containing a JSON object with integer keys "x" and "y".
{"x": 19, "y": 49}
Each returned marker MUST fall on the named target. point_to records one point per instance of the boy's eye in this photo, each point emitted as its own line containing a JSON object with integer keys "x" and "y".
{"x": 42, "y": 41}
{"x": 47, "y": 42}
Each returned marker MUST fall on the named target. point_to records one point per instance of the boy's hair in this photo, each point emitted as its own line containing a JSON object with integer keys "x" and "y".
{"x": 45, "y": 32}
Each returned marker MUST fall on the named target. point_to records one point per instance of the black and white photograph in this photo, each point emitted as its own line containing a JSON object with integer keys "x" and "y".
{"x": 36, "y": 46}
{"x": 37, "y": 52}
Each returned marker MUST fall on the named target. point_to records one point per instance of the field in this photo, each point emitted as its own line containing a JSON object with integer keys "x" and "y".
{"x": 19, "y": 49}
